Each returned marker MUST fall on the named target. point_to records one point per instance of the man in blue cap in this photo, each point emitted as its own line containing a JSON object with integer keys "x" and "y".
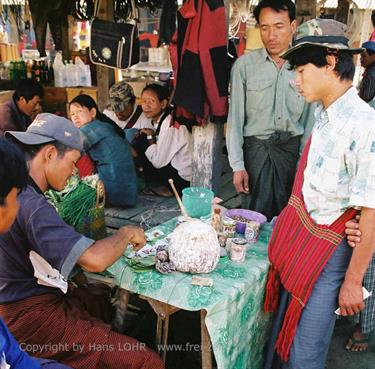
{"x": 367, "y": 86}
{"x": 39, "y": 252}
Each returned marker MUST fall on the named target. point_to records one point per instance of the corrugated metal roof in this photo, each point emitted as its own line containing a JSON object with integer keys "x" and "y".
{"x": 12, "y": 2}
{"x": 329, "y": 4}
{"x": 255, "y": 2}
{"x": 365, "y": 4}
{"x": 362, "y": 4}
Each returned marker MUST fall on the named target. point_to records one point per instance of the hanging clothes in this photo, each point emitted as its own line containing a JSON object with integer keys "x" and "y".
{"x": 167, "y": 21}
{"x": 55, "y": 14}
{"x": 200, "y": 63}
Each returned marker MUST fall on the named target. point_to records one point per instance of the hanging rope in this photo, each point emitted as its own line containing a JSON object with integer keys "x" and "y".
{"x": 239, "y": 12}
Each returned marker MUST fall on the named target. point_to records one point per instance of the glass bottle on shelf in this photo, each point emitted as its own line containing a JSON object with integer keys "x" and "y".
{"x": 11, "y": 70}
{"x": 29, "y": 72}
{"x": 37, "y": 72}
{"x": 22, "y": 70}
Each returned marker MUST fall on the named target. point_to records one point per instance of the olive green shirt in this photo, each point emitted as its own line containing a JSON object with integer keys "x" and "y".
{"x": 264, "y": 100}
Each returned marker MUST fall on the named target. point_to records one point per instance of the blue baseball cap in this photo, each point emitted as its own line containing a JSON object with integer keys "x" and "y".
{"x": 47, "y": 128}
{"x": 369, "y": 46}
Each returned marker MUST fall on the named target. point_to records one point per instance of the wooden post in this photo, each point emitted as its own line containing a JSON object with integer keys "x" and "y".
{"x": 206, "y": 343}
{"x": 306, "y": 9}
{"x": 342, "y": 11}
{"x": 70, "y": 39}
{"x": 364, "y": 23}
{"x": 207, "y": 146}
{"x": 105, "y": 76}
{"x": 207, "y": 149}
{"x": 65, "y": 40}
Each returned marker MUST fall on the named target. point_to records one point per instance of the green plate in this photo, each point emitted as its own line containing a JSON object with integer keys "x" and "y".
{"x": 139, "y": 264}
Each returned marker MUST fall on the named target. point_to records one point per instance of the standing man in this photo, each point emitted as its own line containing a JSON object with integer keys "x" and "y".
{"x": 39, "y": 252}
{"x": 18, "y": 113}
{"x": 359, "y": 340}
{"x": 367, "y": 85}
{"x": 268, "y": 120}
{"x": 310, "y": 258}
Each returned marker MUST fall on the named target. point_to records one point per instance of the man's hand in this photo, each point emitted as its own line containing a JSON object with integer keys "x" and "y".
{"x": 147, "y": 131}
{"x": 351, "y": 295}
{"x": 103, "y": 253}
{"x": 351, "y": 298}
{"x": 241, "y": 181}
{"x": 135, "y": 235}
{"x": 352, "y": 231}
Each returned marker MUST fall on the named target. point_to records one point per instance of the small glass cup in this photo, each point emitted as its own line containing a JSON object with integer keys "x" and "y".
{"x": 238, "y": 250}
{"x": 229, "y": 227}
{"x": 252, "y": 231}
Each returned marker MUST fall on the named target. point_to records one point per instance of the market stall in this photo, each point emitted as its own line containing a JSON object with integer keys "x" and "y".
{"x": 232, "y": 300}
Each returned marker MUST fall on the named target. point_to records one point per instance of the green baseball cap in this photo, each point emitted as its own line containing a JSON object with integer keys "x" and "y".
{"x": 326, "y": 33}
{"x": 121, "y": 95}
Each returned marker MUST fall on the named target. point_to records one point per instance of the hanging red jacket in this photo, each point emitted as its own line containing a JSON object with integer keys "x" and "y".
{"x": 200, "y": 63}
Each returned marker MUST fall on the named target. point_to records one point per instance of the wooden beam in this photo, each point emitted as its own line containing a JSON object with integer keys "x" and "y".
{"x": 342, "y": 11}
{"x": 363, "y": 32}
{"x": 65, "y": 40}
{"x": 207, "y": 148}
{"x": 306, "y": 9}
{"x": 206, "y": 343}
{"x": 105, "y": 76}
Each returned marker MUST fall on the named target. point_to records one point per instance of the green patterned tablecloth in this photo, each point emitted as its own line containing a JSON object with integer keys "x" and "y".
{"x": 237, "y": 327}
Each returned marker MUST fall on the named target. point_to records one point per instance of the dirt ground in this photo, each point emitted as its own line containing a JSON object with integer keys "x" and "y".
{"x": 184, "y": 327}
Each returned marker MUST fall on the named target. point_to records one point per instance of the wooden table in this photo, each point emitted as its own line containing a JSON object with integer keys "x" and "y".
{"x": 232, "y": 318}
{"x": 163, "y": 312}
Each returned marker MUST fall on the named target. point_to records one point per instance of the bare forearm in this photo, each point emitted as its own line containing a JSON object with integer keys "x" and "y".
{"x": 104, "y": 253}
{"x": 364, "y": 250}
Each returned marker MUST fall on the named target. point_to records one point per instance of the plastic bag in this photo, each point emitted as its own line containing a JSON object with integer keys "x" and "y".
{"x": 59, "y": 71}
{"x": 84, "y": 73}
{"x": 73, "y": 74}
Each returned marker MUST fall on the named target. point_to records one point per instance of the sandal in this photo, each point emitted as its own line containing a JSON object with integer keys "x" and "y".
{"x": 357, "y": 345}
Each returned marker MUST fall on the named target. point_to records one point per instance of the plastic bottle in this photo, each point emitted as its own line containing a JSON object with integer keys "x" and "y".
{"x": 84, "y": 73}
{"x": 216, "y": 221}
{"x": 65, "y": 77}
{"x": 74, "y": 74}
{"x": 58, "y": 70}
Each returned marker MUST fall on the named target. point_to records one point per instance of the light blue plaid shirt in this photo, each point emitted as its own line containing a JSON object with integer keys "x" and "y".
{"x": 340, "y": 171}
{"x": 263, "y": 101}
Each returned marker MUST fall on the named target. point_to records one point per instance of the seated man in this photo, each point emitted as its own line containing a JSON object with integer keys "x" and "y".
{"x": 13, "y": 178}
{"x": 18, "y": 113}
{"x": 123, "y": 110}
{"x": 39, "y": 252}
